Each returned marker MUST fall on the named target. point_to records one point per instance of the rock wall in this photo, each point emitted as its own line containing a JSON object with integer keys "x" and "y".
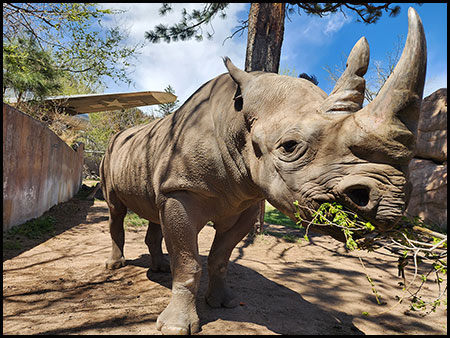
{"x": 39, "y": 169}
{"x": 428, "y": 169}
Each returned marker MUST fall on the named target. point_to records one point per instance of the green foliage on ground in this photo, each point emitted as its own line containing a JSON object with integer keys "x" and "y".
{"x": 132, "y": 220}
{"x": 33, "y": 229}
{"x": 274, "y": 216}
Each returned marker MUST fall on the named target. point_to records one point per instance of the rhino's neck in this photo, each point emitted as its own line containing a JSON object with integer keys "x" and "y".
{"x": 225, "y": 128}
{"x": 233, "y": 137}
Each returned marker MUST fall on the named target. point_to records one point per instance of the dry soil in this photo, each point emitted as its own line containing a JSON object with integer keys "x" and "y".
{"x": 59, "y": 285}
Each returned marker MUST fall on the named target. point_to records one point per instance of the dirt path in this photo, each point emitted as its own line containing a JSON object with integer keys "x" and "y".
{"x": 60, "y": 286}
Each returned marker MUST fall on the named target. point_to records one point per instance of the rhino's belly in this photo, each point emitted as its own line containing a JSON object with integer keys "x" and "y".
{"x": 135, "y": 191}
{"x": 131, "y": 173}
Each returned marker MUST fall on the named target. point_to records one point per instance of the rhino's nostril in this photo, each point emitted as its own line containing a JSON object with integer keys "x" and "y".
{"x": 359, "y": 196}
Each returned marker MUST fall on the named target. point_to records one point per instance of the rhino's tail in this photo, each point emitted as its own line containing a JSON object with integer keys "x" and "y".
{"x": 101, "y": 171}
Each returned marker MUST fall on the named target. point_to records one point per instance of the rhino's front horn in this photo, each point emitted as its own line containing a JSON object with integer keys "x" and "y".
{"x": 348, "y": 93}
{"x": 395, "y": 111}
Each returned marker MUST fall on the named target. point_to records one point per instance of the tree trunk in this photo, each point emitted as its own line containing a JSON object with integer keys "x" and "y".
{"x": 265, "y": 36}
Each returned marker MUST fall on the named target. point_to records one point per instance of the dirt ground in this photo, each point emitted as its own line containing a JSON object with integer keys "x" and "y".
{"x": 59, "y": 285}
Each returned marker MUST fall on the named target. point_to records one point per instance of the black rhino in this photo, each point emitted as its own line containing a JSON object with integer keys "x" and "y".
{"x": 244, "y": 137}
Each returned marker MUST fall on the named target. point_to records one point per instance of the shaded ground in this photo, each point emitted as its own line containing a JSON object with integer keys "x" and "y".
{"x": 59, "y": 285}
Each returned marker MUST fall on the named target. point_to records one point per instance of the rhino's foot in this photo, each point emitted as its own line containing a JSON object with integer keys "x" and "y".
{"x": 115, "y": 263}
{"x": 159, "y": 265}
{"x": 178, "y": 318}
{"x": 221, "y": 297}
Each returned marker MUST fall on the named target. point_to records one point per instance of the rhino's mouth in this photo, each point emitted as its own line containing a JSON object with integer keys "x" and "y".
{"x": 383, "y": 220}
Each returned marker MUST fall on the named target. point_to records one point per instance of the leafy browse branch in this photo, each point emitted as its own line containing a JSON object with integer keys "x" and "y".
{"x": 410, "y": 240}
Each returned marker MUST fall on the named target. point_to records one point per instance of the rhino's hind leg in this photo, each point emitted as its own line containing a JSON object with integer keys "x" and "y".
{"x": 218, "y": 293}
{"x": 153, "y": 239}
{"x": 117, "y": 212}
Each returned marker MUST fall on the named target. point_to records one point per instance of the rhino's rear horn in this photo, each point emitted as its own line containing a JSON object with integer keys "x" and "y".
{"x": 348, "y": 93}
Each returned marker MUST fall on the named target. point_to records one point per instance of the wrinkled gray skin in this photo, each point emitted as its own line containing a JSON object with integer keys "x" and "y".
{"x": 244, "y": 137}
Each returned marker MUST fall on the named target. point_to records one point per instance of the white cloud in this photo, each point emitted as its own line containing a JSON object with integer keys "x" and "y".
{"x": 335, "y": 23}
{"x": 318, "y": 30}
{"x": 309, "y": 35}
{"x": 185, "y": 65}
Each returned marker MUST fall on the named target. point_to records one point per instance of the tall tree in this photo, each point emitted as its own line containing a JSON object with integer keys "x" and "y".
{"x": 265, "y": 36}
{"x": 165, "y": 109}
{"x": 265, "y": 25}
{"x": 28, "y": 70}
{"x": 74, "y": 35}
{"x": 264, "y": 40}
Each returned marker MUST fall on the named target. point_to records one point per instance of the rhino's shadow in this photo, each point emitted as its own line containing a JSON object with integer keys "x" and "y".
{"x": 282, "y": 310}
{"x": 260, "y": 303}
{"x": 274, "y": 306}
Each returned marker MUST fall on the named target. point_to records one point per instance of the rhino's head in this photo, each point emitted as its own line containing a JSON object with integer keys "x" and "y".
{"x": 315, "y": 148}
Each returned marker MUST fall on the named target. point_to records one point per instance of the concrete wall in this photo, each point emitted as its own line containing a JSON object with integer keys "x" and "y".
{"x": 39, "y": 169}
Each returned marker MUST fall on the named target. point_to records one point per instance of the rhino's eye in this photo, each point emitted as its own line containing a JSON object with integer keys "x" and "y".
{"x": 291, "y": 150}
{"x": 289, "y": 146}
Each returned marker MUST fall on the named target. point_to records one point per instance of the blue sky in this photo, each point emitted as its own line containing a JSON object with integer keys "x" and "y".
{"x": 310, "y": 43}
{"x": 327, "y": 49}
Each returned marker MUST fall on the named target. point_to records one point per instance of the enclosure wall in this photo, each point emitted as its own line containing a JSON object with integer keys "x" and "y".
{"x": 39, "y": 169}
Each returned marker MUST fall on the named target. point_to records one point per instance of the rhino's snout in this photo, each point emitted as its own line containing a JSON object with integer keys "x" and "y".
{"x": 364, "y": 196}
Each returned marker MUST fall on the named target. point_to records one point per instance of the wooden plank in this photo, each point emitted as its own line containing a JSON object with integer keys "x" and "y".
{"x": 91, "y": 103}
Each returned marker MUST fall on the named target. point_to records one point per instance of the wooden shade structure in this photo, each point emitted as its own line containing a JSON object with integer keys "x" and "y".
{"x": 92, "y": 103}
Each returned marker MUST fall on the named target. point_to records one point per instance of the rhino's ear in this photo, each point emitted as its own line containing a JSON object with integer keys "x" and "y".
{"x": 240, "y": 77}
{"x": 348, "y": 93}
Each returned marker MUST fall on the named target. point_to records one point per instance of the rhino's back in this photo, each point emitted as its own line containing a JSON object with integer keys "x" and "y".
{"x": 178, "y": 152}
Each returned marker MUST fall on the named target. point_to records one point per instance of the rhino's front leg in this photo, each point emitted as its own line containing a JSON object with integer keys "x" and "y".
{"x": 218, "y": 293}
{"x": 180, "y": 226}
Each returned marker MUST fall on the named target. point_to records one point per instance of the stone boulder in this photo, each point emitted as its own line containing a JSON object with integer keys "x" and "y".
{"x": 429, "y": 195}
{"x": 428, "y": 169}
{"x": 432, "y": 128}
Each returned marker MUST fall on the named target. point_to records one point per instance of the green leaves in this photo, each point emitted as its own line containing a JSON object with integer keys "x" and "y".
{"x": 410, "y": 239}
{"x": 165, "y": 109}
{"x": 74, "y": 39}
{"x": 27, "y": 69}
{"x": 333, "y": 214}
{"x": 190, "y": 25}
{"x": 367, "y": 12}
{"x": 369, "y": 226}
